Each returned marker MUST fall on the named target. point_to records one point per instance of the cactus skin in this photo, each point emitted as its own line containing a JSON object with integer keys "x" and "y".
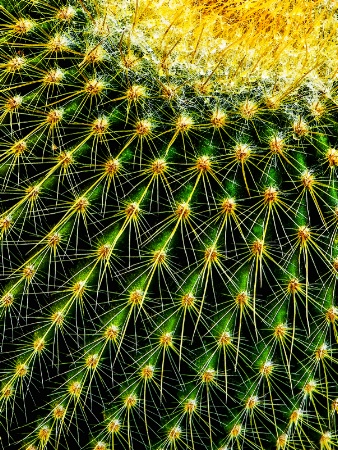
{"x": 168, "y": 239}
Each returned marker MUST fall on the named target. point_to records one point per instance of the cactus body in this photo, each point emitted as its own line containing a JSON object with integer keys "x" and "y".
{"x": 168, "y": 226}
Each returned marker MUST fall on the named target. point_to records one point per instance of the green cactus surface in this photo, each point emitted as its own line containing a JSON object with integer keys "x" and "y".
{"x": 169, "y": 246}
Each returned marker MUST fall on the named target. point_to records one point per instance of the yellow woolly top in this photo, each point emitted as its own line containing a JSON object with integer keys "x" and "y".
{"x": 234, "y": 42}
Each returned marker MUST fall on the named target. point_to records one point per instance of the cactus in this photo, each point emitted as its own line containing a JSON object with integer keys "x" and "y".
{"x": 168, "y": 225}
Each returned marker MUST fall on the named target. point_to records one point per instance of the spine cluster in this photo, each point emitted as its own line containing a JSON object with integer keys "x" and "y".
{"x": 169, "y": 252}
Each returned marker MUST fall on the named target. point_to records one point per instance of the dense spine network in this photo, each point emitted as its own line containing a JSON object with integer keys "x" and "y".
{"x": 168, "y": 225}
